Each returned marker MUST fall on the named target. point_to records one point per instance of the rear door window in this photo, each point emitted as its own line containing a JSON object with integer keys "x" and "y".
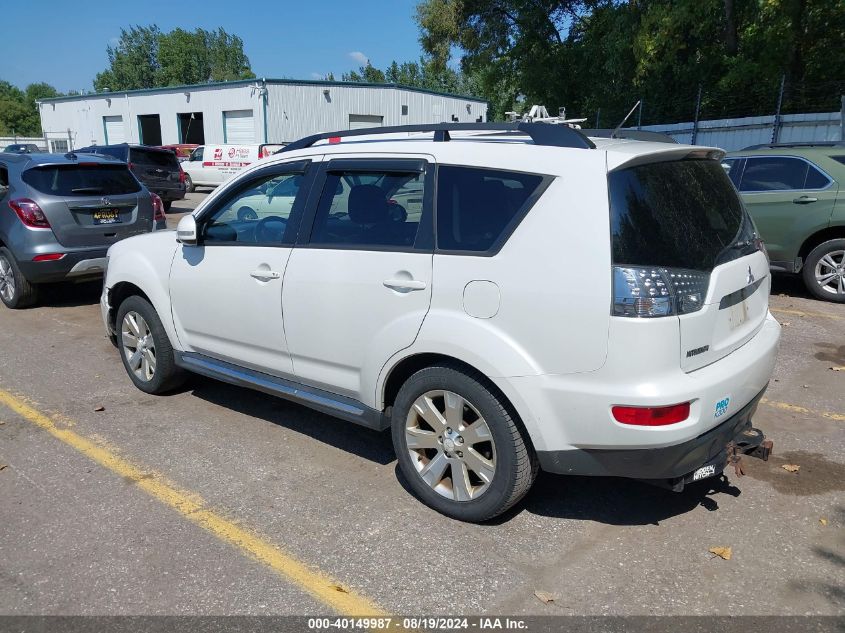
{"x": 165, "y": 160}
{"x": 815, "y": 179}
{"x": 364, "y": 209}
{"x": 773, "y": 173}
{"x": 733, "y": 167}
{"x": 477, "y": 209}
{"x": 82, "y": 180}
{"x": 677, "y": 214}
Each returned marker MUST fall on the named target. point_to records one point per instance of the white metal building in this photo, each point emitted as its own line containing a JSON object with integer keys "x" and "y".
{"x": 249, "y": 111}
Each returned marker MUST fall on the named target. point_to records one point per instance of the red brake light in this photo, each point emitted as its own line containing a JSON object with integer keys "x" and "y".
{"x": 181, "y": 175}
{"x": 29, "y": 213}
{"x": 334, "y": 140}
{"x": 652, "y": 416}
{"x": 48, "y": 257}
{"x": 158, "y": 207}
{"x": 130, "y": 166}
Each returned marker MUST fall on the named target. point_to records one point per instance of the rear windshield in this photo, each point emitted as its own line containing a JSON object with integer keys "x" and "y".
{"x": 678, "y": 214}
{"x": 156, "y": 159}
{"x": 82, "y": 180}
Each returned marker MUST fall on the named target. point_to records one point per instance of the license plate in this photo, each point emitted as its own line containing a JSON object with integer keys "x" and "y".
{"x": 106, "y": 216}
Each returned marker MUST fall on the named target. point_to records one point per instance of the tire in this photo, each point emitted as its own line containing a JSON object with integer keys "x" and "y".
{"x": 167, "y": 204}
{"x": 826, "y": 263}
{"x": 160, "y": 376}
{"x": 189, "y": 184}
{"x": 471, "y": 401}
{"x": 15, "y": 290}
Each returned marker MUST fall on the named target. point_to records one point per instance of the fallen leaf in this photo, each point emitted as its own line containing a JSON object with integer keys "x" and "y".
{"x": 785, "y": 324}
{"x": 544, "y": 596}
{"x": 722, "y": 552}
{"x": 2, "y": 422}
{"x": 4, "y": 466}
{"x": 806, "y": 386}
{"x": 791, "y": 468}
{"x": 100, "y": 408}
{"x": 838, "y": 368}
{"x": 823, "y": 521}
{"x": 339, "y": 589}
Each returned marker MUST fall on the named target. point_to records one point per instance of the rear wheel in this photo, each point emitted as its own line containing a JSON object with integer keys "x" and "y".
{"x": 167, "y": 204}
{"x": 824, "y": 271}
{"x": 189, "y": 184}
{"x": 247, "y": 213}
{"x": 459, "y": 446}
{"x": 146, "y": 351}
{"x": 15, "y": 290}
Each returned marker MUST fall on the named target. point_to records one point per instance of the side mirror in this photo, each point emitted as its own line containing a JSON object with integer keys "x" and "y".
{"x": 186, "y": 231}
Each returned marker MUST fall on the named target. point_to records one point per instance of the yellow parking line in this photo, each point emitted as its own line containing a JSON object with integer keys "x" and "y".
{"x": 794, "y": 408}
{"x": 193, "y": 508}
{"x": 802, "y": 313}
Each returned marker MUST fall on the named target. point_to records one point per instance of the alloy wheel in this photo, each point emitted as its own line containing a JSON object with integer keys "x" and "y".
{"x": 7, "y": 279}
{"x": 138, "y": 346}
{"x": 450, "y": 445}
{"x": 830, "y": 272}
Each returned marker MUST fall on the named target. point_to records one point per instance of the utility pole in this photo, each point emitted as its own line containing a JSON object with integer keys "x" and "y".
{"x": 842, "y": 119}
{"x": 598, "y": 117}
{"x": 640, "y": 116}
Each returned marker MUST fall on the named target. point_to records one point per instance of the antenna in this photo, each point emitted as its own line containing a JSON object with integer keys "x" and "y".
{"x": 627, "y": 116}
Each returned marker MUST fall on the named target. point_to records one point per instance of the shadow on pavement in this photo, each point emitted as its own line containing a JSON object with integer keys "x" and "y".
{"x": 67, "y": 295}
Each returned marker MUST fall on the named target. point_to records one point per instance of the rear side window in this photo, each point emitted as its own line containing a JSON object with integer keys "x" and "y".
{"x": 365, "y": 209}
{"x": 153, "y": 159}
{"x": 114, "y": 152}
{"x": 839, "y": 159}
{"x": 678, "y": 214}
{"x": 478, "y": 208}
{"x": 82, "y": 180}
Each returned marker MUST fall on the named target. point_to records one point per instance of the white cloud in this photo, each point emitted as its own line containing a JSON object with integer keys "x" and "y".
{"x": 114, "y": 41}
{"x": 359, "y": 57}
{"x": 317, "y": 76}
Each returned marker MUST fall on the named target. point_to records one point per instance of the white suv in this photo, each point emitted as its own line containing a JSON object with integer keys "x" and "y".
{"x": 504, "y": 297}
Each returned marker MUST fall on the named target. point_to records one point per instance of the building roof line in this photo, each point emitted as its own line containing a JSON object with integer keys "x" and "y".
{"x": 245, "y": 82}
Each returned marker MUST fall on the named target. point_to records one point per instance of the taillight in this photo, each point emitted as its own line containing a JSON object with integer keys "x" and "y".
{"x": 48, "y": 257}
{"x": 29, "y": 213}
{"x": 181, "y": 175}
{"x": 130, "y": 166}
{"x": 651, "y": 416}
{"x": 158, "y": 207}
{"x": 643, "y": 291}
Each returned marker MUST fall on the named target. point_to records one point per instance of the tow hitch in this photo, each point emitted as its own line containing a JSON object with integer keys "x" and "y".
{"x": 749, "y": 442}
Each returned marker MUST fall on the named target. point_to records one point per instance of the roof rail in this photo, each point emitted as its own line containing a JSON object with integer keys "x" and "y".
{"x": 541, "y": 133}
{"x": 632, "y": 135}
{"x": 796, "y": 144}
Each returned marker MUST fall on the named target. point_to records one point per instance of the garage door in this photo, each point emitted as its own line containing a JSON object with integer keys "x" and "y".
{"x": 238, "y": 127}
{"x": 357, "y": 121}
{"x": 113, "y": 126}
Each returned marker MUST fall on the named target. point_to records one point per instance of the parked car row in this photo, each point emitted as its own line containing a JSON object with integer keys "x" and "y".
{"x": 59, "y": 214}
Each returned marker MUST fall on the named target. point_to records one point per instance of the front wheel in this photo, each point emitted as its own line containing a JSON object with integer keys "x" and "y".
{"x": 145, "y": 349}
{"x": 824, "y": 271}
{"x": 461, "y": 450}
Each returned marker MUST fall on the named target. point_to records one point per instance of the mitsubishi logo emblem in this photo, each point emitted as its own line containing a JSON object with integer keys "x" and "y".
{"x": 106, "y": 202}
{"x": 750, "y": 276}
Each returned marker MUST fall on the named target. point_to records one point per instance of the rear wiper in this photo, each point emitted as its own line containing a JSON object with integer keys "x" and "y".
{"x": 87, "y": 190}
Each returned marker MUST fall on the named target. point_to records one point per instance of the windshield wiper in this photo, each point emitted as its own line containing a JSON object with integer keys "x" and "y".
{"x": 87, "y": 190}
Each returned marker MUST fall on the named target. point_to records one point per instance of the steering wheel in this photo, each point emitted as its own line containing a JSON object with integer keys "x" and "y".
{"x": 270, "y": 229}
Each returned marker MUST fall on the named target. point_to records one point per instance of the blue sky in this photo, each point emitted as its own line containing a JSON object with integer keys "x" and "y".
{"x": 64, "y": 42}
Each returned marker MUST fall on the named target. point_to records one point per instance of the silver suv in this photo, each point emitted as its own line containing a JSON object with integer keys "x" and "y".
{"x": 58, "y": 216}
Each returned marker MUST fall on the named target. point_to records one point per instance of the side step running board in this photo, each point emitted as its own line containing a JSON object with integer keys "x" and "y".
{"x": 323, "y": 401}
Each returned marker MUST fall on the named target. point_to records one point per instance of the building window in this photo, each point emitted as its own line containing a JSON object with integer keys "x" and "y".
{"x": 58, "y": 146}
{"x": 404, "y": 110}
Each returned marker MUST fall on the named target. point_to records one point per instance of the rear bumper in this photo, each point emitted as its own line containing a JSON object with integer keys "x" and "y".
{"x": 84, "y": 264}
{"x": 664, "y": 463}
{"x": 168, "y": 194}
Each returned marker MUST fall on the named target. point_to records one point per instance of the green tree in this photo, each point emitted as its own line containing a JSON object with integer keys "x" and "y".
{"x": 18, "y": 108}
{"x": 145, "y": 57}
{"x": 366, "y": 74}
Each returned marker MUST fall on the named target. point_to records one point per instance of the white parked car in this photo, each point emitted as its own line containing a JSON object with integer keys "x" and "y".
{"x": 502, "y": 303}
{"x": 212, "y": 165}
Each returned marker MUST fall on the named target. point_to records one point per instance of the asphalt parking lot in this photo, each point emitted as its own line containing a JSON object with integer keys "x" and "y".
{"x": 219, "y": 500}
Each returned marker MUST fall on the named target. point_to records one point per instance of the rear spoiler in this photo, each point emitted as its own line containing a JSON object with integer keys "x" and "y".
{"x": 630, "y": 154}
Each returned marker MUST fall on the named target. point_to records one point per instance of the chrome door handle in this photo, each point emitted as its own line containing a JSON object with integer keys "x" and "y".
{"x": 264, "y": 274}
{"x": 404, "y": 285}
{"x": 804, "y": 200}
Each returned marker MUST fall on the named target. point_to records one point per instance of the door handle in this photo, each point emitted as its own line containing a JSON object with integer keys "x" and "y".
{"x": 804, "y": 200}
{"x": 265, "y": 274}
{"x": 404, "y": 285}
